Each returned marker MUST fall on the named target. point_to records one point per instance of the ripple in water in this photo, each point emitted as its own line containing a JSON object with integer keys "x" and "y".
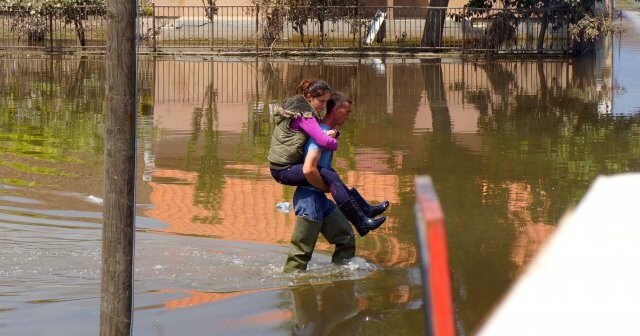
{"x": 220, "y": 266}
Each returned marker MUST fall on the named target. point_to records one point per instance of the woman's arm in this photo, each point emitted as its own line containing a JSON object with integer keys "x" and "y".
{"x": 312, "y": 128}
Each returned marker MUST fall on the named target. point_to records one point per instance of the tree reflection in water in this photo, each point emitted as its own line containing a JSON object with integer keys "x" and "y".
{"x": 509, "y": 144}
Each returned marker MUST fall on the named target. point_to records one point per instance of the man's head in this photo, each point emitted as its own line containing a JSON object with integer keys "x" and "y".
{"x": 338, "y": 109}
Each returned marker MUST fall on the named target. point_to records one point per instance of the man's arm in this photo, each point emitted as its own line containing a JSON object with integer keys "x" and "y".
{"x": 324, "y": 139}
{"x": 311, "y": 172}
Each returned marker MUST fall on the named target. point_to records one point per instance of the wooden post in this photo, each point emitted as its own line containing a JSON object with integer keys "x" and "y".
{"x": 434, "y": 261}
{"x": 116, "y": 297}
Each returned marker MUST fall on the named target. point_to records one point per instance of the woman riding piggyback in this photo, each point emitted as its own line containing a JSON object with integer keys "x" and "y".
{"x": 295, "y": 121}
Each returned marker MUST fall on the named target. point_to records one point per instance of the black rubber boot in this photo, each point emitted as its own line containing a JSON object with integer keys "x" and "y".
{"x": 369, "y": 210}
{"x": 356, "y": 216}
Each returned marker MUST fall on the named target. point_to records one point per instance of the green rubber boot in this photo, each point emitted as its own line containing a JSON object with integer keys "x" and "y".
{"x": 337, "y": 230}
{"x": 303, "y": 242}
{"x": 305, "y": 308}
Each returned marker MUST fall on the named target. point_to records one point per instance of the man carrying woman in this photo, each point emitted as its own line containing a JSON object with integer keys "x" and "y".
{"x": 296, "y": 121}
{"x": 315, "y": 212}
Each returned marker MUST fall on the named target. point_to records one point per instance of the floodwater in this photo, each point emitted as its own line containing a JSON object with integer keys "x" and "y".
{"x": 510, "y": 145}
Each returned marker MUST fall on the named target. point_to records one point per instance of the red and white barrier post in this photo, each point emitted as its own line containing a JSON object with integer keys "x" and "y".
{"x": 434, "y": 261}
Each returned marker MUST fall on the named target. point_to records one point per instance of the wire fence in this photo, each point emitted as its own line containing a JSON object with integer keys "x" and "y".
{"x": 172, "y": 29}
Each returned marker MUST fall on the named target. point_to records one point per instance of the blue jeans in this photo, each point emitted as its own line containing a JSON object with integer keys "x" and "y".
{"x": 293, "y": 176}
{"x": 316, "y": 214}
{"x": 312, "y": 204}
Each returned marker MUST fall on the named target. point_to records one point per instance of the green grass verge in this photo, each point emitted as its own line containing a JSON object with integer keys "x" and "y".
{"x": 631, "y": 5}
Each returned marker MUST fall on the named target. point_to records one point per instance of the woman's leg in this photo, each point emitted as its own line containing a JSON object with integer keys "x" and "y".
{"x": 292, "y": 176}
{"x": 341, "y": 193}
{"x": 369, "y": 210}
{"x": 338, "y": 189}
{"x": 348, "y": 204}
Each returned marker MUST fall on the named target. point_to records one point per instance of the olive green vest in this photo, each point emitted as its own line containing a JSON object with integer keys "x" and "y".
{"x": 287, "y": 146}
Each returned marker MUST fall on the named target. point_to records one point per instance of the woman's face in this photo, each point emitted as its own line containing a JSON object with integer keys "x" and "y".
{"x": 319, "y": 103}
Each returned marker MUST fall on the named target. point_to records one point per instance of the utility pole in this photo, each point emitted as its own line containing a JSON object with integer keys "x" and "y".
{"x": 116, "y": 299}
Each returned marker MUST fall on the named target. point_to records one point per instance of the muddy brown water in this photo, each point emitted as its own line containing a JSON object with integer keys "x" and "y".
{"x": 511, "y": 145}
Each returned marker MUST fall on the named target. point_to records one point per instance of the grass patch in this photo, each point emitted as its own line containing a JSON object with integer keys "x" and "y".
{"x": 631, "y": 5}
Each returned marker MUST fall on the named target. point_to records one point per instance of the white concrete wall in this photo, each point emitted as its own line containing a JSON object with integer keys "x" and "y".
{"x": 239, "y": 28}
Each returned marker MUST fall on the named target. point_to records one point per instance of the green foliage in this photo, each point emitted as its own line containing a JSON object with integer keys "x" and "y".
{"x": 502, "y": 29}
{"x": 74, "y": 12}
{"x": 27, "y": 19}
{"x": 578, "y": 14}
{"x": 479, "y": 4}
{"x": 146, "y": 10}
{"x": 323, "y": 10}
{"x": 73, "y": 9}
{"x": 587, "y": 29}
{"x": 298, "y": 15}
{"x": 273, "y": 13}
{"x": 298, "y": 12}
{"x": 32, "y": 19}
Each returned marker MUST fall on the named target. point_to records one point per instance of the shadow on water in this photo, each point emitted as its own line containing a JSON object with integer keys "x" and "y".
{"x": 510, "y": 146}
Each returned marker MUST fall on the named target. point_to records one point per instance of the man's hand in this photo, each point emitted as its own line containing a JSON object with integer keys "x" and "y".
{"x": 311, "y": 172}
{"x": 332, "y": 133}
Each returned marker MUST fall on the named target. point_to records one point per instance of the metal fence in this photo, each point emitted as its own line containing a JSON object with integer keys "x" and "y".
{"x": 21, "y": 29}
{"x": 243, "y": 80}
{"x": 364, "y": 28}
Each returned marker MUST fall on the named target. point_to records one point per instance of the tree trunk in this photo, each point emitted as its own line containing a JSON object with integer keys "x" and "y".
{"x": 582, "y": 48}
{"x": 274, "y": 26}
{"x": 321, "y": 32}
{"x": 544, "y": 22}
{"x": 80, "y": 32}
{"x": 382, "y": 32}
{"x": 434, "y": 23}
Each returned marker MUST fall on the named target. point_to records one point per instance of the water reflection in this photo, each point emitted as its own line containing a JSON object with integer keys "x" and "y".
{"x": 356, "y": 307}
{"x": 334, "y": 310}
{"x": 510, "y": 145}
{"x": 385, "y": 303}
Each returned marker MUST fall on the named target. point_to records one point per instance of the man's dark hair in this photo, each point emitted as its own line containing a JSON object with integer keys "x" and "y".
{"x": 336, "y": 100}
